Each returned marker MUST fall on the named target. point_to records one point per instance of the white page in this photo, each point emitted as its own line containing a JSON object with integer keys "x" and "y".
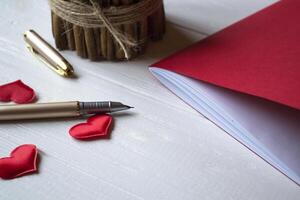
{"x": 269, "y": 129}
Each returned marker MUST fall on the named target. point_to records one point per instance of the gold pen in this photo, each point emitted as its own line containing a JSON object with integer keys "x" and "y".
{"x": 47, "y": 54}
{"x": 58, "y": 109}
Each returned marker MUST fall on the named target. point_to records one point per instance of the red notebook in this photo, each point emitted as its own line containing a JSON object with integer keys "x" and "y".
{"x": 246, "y": 79}
{"x": 259, "y": 55}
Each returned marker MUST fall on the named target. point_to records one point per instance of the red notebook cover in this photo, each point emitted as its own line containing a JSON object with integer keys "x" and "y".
{"x": 259, "y": 55}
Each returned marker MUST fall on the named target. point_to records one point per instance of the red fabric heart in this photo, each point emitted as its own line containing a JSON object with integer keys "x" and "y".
{"x": 17, "y": 92}
{"x": 97, "y": 126}
{"x": 22, "y": 161}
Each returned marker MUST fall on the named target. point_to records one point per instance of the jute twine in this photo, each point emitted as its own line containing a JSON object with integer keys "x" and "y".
{"x": 94, "y": 16}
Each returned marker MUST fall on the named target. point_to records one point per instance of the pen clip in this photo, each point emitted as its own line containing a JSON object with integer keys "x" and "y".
{"x": 61, "y": 66}
{"x": 44, "y": 60}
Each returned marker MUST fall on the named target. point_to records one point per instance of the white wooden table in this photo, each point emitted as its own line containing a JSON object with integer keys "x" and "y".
{"x": 162, "y": 149}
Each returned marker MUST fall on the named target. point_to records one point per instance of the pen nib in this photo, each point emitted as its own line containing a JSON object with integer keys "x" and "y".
{"x": 117, "y": 106}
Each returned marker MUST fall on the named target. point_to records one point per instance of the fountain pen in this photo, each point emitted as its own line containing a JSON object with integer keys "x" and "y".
{"x": 58, "y": 109}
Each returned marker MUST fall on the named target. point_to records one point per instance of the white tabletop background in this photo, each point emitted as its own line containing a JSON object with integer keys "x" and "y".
{"x": 162, "y": 149}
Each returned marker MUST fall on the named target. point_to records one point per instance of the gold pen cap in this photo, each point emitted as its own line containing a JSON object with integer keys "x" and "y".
{"x": 47, "y": 54}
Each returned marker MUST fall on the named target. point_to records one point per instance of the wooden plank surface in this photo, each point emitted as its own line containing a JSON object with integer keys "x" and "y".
{"x": 162, "y": 149}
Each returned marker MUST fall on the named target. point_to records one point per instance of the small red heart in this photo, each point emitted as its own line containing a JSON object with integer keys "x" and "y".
{"x": 17, "y": 92}
{"x": 97, "y": 126}
{"x": 22, "y": 161}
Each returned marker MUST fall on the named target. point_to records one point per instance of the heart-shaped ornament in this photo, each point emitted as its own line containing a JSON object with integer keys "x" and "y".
{"x": 97, "y": 126}
{"x": 22, "y": 160}
{"x": 17, "y": 92}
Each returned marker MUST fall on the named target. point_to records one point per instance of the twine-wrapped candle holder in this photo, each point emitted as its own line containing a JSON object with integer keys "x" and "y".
{"x": 106, "y": 29}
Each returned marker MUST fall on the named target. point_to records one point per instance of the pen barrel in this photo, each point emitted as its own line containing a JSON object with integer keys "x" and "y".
{"x": 39, "y": 111}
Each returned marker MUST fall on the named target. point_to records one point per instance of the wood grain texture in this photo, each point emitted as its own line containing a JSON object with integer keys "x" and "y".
{"x": 90, "y": 41}
{"x": 59, "y": 33}
{"x": 119, "y": 52}
{"x": 130, "y": 30}
{"x": 80, "y": 41}
{"x": 162, "y": 149}
{"x": 70, "y": 36}
{"x": 156, "y": 24}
